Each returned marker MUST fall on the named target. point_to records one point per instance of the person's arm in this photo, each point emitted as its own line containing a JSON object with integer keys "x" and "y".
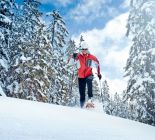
{"x": 98, "y": 66}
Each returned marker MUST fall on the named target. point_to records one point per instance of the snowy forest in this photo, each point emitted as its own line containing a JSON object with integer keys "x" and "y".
{"x": 33, "y": 60}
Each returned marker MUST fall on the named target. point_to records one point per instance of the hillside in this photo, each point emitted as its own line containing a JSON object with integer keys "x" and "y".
{"x": 29, "y": 120}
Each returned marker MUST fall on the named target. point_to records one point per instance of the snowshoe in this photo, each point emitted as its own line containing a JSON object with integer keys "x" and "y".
{"x": 89, "y": 104}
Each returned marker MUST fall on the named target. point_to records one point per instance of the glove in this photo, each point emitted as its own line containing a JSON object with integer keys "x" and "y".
{"x": 99, "y": 76}
{"x": 75, "y": 55}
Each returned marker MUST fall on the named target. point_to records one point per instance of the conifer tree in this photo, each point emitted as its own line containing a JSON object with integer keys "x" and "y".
{"x": 31, "y": 69}
{"x": 72, "y": 74}
{"x": 140, "y": 67}
{"x": 6, "y": 14}
{"x": 105, "y": 96}
{"x": 96, "y": 90}
{"x": 57, "y": 34}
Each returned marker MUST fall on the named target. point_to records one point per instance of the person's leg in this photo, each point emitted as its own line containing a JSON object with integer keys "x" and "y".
{"x": 90, "y": 87}
{"x": 82, "y": 87}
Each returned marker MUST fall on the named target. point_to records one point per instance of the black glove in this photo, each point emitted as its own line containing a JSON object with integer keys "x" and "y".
{"x": 75, "y": 55}
{"x": 99, "y": 76}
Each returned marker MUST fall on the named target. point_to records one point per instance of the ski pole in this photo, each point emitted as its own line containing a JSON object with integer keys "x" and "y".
{"x": 101, "y": 90}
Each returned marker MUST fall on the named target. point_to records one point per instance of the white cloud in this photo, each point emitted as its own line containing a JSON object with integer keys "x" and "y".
{"x": 116, "y": 85}
{"x": 65, "y": 2}
{"x": 55, "y": 2}
{"x": 112, "y": 11}
{"x": 125, "y": 4}
{"x": 111, "y": 48}
{"x": 117, "y": 57}
{"x": 89, "y": 10}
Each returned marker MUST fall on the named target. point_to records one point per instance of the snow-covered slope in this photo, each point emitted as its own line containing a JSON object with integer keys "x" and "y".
{"x": 28, "y": 120}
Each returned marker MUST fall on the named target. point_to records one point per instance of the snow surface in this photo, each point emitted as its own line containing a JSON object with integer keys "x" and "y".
{"x": 29, "y": 120}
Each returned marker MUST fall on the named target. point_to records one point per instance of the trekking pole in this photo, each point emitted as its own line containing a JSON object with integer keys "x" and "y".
{"x": 81, "y": 39}
{"x": 101, "y": 90}
{"x": 77, "y": 49}
{"x": 70, "y": 57}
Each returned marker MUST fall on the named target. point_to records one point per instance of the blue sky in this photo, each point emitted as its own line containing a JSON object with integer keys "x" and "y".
{"x": 82, "y": 15}
{"x": 103, "y": 25}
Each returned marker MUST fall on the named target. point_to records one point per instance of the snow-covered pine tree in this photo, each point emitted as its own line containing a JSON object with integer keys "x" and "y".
{"x": 140, "y": 67}
{"x": 72, "y": 74}
{"x": 117, "y": 106}
{"x": 110, "y": 108}
{"x": 105, "y": 97}
{"x": 116, "y": 101}
{"x": 57, "y": 34}
{"x": 6, "y": 14}
{"x": 120, "y": 108}
{"x": 15, "y": 41}
{"x": 71, "y": 48}
{"x": 31, "y": 69}
{"x": 96, "y": 91}
{"x": 124, "y": 107}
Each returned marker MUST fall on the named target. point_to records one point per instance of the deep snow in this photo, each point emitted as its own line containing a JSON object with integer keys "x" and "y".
{"x": 30, "y": 120}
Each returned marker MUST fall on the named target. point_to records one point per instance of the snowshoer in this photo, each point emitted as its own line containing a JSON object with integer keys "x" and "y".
{"x": 85, "y": 74}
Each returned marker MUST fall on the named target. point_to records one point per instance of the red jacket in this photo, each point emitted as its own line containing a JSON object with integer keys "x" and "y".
{"x": 85, "y": 69}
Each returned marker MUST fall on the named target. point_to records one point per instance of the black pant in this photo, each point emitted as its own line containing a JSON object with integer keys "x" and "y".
{"x": 82, "y": 87}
